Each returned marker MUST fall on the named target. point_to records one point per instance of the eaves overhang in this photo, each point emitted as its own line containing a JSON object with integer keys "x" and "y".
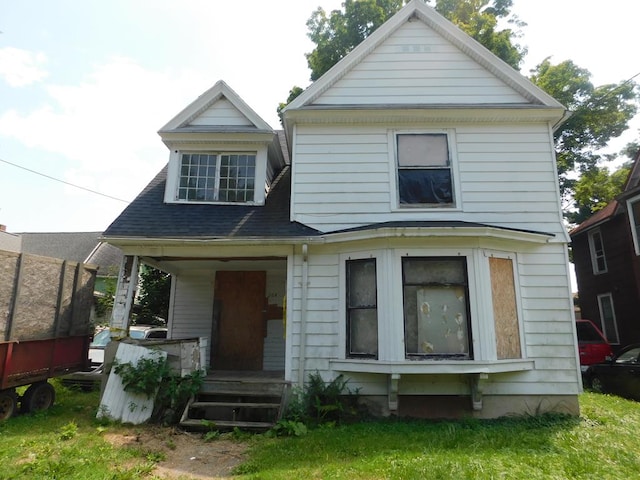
{"x": 417, "y": 230}
{"x": 420, "y": 114}
{"x": 175, "y": 138}
{"x": 358, "y": 234}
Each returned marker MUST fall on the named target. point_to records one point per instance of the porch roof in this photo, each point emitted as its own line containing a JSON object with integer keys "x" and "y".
{"x": 148, "y": 216}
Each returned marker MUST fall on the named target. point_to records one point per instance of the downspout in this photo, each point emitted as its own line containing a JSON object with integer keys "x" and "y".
{"x": 303, "y": 313}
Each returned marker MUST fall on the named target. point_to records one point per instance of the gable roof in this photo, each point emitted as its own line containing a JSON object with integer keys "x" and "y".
{"x": 418, "y": 9}
{"x": 185, "y": 120}
{"x": 597, "y": 218}
{"x": 149, "y": 217}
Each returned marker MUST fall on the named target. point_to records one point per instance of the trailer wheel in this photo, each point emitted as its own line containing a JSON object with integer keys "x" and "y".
{"x": 39, "y": 396}
{"x": 8, "y": 404}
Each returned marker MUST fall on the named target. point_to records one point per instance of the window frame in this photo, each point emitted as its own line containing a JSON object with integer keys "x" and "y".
{"x": 634, "y": 223}
{"x": 394, "y": 164}
{"x": 614, "y": 339}
{"x": 217, "y": 179}
{"x": 349, "y": 309}
{"x": 595, "y": 256}
{"x": 464, "y": 261}
{"x": 174, "y": 170}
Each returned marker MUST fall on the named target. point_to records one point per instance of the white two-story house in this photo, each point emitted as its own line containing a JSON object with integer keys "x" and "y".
{"x": 404, "y": 230}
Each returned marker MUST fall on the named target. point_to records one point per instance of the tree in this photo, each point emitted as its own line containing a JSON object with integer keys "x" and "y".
{"x": 155, "y": 288}
{"x": 293, "y": 93}
{"x": 479, "y": 19}
{"x": 598, "y": 114}
{"x": 595, "y": 189}
{"x": 337, "y": 33}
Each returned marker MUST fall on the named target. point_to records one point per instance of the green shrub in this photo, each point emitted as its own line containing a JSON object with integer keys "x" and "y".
{"x": 152, "y": 376}
{"x": 321, "y": 402}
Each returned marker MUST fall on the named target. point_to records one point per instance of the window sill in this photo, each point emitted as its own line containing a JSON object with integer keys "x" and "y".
{"x": 426, "y": 367}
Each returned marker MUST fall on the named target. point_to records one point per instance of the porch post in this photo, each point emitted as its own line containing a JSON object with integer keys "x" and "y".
{"x": 303, "y": 314}
{"x": 125, "y": 294}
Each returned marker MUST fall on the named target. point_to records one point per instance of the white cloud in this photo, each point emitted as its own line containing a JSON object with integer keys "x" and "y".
{"x": 20, "y": 67}
{"x": 106, "y": 125}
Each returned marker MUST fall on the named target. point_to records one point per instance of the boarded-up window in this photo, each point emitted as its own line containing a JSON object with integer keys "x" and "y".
{"x": 362, "y": 309}
{"x": 505, "y": 311}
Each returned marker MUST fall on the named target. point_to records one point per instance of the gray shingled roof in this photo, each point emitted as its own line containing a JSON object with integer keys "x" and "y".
{"x": 150, "y": 217}
{"x": 75, "y": 247}
{"x": 72, "y": 246}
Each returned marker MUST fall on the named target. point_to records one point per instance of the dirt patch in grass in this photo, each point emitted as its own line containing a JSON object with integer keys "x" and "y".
{"x": 183, "y": 455}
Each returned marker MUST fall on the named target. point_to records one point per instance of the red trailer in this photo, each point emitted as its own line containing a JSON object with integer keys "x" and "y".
{"x": 45, "y": 307}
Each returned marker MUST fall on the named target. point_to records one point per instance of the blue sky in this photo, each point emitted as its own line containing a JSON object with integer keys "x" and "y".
{"x": 85, "y": 85}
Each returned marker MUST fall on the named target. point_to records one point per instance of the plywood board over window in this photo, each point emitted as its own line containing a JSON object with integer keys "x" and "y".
{"x": 505, "y": 311}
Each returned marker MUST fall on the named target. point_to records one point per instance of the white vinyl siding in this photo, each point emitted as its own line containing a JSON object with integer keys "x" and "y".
{"x": 415, "y": 65}
{"x": 222, "y": 112}
{"x": 192, "y": 308}
{"x": 344, "y": 177}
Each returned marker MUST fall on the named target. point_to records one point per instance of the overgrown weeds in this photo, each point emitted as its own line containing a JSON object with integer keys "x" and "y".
{"x": 319, "y": 403}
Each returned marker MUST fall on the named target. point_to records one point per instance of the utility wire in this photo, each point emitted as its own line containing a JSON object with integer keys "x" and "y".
{"x": 62, "y": 181}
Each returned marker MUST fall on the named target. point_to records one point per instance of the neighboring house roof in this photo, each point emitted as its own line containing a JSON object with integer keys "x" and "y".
{"x": 9, "y": 241}
{"x": 631, "y": 188}
{"x": 82, "y": 247}
{"x": 597, "y": 218}
{"x": 149, "y": 216}
{"x": 107, "y": 257}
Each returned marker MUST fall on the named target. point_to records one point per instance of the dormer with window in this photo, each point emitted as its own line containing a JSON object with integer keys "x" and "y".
{"x": 222, "y": 152}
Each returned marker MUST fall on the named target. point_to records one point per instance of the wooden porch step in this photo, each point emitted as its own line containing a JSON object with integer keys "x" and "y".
{"x": 226, "y": 387}
{"x": 224, "y": 424}
{"x": 245, "y": 400}
{"x": 200, "y": 404}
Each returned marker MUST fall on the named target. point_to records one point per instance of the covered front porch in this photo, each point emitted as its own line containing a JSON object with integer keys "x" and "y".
{"x": 236, "y": 306}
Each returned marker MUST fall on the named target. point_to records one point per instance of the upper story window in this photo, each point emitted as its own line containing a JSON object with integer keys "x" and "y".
{"x": 436, "y": 307}
{"x": 596, "y": 247}
{"x": 608, "y": 317}
{"x": 217, "y": 177}
{"x": 425, "y": 175}
{"x": 633, "y": 206}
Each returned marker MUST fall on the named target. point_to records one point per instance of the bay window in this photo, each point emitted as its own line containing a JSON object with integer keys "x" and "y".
{"x": 436, "y": 307}
{"x": 362, "y": 311}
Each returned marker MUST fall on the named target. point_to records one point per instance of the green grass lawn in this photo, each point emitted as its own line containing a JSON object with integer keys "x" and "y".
{"x": 603, "y": 443}
{"x": 67, "y": 442}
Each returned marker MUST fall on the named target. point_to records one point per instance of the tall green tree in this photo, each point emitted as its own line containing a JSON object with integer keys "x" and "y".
{"x": 595, "y": 189}
{"x": 480, "y": 18}
{"x": 598, "y": 114}
{"x": 155, "y": 289}
{"x": 337, "y": 33}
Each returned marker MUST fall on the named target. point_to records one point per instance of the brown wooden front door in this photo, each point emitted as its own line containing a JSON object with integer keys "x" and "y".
{"x": 239, "y": 325}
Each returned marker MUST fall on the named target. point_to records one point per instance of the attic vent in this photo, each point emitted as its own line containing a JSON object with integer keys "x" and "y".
{"x": 415, "y": 48}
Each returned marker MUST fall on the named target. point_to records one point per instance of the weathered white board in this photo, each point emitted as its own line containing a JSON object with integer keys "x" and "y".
{"x": 116, "y": 404}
